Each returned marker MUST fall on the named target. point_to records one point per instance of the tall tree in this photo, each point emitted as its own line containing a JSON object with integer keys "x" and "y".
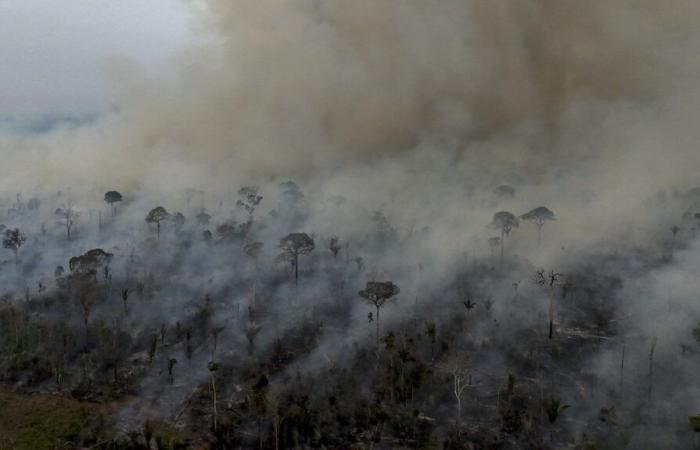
{"x": 90, "y": 262}
{"x": 539, "y": 216}
{"x": 504, "y": 222}
{"x": 456, "y": 366}
{"x": 212, "y": 367}
{"x": 14, "y": 240}
{"x": 111, "y": 198}
{"x": 67, "y": 216}
{"x": 250, "y": 199}
{"x": 157, "y": 215}
{"x": 553, "y": 407}
{"x": 376, "y": 293}
{"x": 549, "y": 282}
{"x": 293, "y": 246}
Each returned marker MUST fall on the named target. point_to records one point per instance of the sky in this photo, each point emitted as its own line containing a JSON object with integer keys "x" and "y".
{"x": 60, "y": 57}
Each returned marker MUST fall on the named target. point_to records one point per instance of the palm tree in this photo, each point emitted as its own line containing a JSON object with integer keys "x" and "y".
{"x": 553, "y": 408}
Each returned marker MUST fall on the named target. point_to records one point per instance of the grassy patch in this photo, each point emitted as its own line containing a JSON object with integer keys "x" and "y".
{"x": 45, "y": 422}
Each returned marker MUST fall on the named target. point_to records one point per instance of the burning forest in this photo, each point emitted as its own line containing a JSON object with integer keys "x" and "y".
{"x": 348, "y": 225}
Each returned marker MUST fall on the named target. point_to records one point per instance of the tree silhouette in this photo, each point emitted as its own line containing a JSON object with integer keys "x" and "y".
{"x": 539, "y": 216}
{"x": 178, "y": 221}
{"x": 294, "y": 245}
{"x": 334, "y": 246}
{"x": 67, "y": 217}
{"x": 112, "y": 197}
{"x": 212, "y": 367}
{"x": 203, "y": 218}
{"x": 250, "y": 199}
{"x": 457, "y": 368}
{"x": 157, "y": 215}
{"x": 553, "y": 408}
{"x": 90, "y": 262}
{"x": 549, "y": 282}
{"x": 376, "y": 293}
{"x": 14, "y": 240}
{"x": 694, "y": 422}
{"x": 171, "y": 364}
{"x": 504, "y": 222}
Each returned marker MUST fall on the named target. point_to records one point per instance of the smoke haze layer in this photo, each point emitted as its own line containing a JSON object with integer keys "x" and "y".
{"x": 277, "y": 89}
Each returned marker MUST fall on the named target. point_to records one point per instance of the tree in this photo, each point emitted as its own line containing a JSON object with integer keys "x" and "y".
{"x": 33, "y": 204}
{"x": 696, "y": 333}
{"x": 231, "y": 231}
{"x": 86, "y": 292}
{"x": 111, "y": 198}
{"x": 67, "y": 217}
{"x": 90, "y": 262}
{"x": 674, "y": 231}
{"x": 456, "y": 366}
{"x": 251, "y": 332}
{"x": 376, "y": 293}
{"x": 294, "y": 245}
{"x": 504, "y": 222}
{"x": 494, "y": 243}
{"x": 553, "y": 408}
{"x": 539, "y": 216}
{"x": 334, "y": 246}
{"x": 694, "y": 422}
{"x": 171, "y": 364}
{"x": 125, "y": 300}
{"x": 652, "y": 350}
{"x": 14, "y": 240}
{"x": 203, "y": 218}
{"x": 250, "y": 199}
{"x": 213, "y": 367}
{"x": 178, "y": 221}
{"x": 550, "y": 282}
{"x": 157, "y": 215}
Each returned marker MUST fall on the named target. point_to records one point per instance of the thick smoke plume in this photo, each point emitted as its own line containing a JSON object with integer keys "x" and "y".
{"x": 287, "y": 88}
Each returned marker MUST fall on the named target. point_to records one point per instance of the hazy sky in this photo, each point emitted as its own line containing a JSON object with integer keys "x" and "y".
{"x": 56, "y": 55}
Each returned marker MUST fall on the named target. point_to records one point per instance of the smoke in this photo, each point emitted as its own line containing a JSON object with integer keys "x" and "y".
{"x": 309, "y": 88}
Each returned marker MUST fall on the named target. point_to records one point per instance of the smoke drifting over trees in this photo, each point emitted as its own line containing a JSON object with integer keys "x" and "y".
{"x": 208, "y": 261}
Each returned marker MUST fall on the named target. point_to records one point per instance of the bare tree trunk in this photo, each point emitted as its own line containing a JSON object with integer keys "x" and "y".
{"x": 87, "y": 333}
{"x": 551, "y": 314}
{"x": 459, "y": 410}
{"x": 651, "y": 365}
{"x": 213, "y": 388}
{"x": 296, "y": 270}
{"x": 503, "y": 241}
{"x": 377, "y": 332}
{"x": 622, "y": 371}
